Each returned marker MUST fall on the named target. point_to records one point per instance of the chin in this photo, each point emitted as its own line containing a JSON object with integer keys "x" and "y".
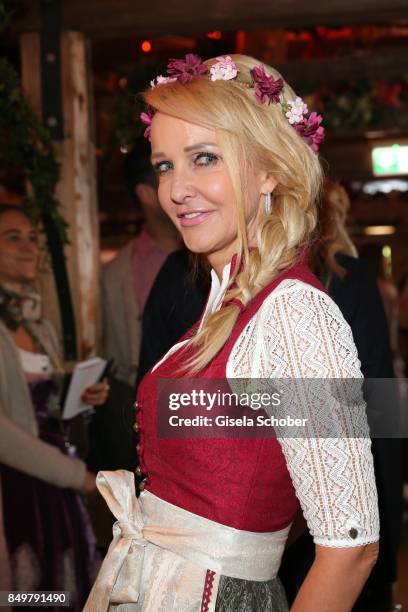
{"x": 28, "y": 278}
{"x": 196, "y": 246}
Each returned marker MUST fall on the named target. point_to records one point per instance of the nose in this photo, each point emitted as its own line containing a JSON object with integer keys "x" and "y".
{"x": 182, "y": 187}
{"x": 30, "y": 247}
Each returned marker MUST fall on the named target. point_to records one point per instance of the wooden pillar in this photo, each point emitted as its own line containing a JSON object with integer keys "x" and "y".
{"x": 77, "y": 188}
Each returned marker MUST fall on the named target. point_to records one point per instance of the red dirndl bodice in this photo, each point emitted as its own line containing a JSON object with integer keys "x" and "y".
{"x": 240, "y": 482}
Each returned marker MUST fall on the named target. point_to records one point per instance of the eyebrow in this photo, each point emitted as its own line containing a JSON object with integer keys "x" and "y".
{"x": 15, "y": 230}
{"x": 10, "y": 231}
{"x": 199, "y": 145}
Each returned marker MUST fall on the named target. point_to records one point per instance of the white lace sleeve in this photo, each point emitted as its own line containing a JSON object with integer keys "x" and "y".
{"x": 299, "y": 333}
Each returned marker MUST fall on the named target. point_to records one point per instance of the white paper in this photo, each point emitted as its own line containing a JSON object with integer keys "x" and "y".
{"x": 85, "y": 374}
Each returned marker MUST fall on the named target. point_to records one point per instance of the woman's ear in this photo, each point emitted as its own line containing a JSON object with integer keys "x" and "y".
{"x": 268, "y": 185}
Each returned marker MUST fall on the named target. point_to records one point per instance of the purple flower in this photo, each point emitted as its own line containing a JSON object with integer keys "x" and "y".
{"x": 147, "y": 118}
{"x": 185, "y": 70}
{"x": 266, "y": 87}
{"x": 311, "y": 130}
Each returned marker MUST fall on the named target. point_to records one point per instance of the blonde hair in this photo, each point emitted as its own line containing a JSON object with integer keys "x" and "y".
{"x": 250, "y": 135}
{"x": 331, "y": 233}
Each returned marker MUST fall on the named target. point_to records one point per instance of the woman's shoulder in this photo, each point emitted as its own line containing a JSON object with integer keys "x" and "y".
{"x": 295, "y": 289}
{"x": 297, "y": 302}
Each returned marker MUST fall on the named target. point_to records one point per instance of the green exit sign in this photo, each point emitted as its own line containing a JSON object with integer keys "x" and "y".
{"x": 390, "y": 160}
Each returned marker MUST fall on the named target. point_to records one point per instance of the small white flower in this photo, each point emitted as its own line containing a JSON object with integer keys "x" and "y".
{"x": 164, "y": 79}
{"x": 224, "y": 69}
{"x": 161, "y": 80}
{"x": 297, "y": 109}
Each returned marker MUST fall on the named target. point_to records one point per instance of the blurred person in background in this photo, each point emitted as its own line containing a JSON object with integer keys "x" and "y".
{"x": 175, "y": 303}
{"x": 47, "y": 541}
{"x": 378, "y": 258}
{"x": 127, "y": 280}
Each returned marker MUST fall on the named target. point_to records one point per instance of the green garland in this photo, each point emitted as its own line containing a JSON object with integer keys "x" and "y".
{"x": 346, "y": 108}
{"x": 25, "y": 144}
{"x": 364, "y": 105}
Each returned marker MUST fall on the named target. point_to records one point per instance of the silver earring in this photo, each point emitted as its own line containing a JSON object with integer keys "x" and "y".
{"x": 268, "y": 203}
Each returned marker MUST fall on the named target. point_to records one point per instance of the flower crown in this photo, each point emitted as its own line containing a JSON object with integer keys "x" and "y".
{"x": 266, "y": 90}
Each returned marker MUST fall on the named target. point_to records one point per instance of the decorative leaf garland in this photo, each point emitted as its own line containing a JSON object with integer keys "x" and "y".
{"x": 363, "y": 105}
{"x": 25, "y": 144}
{"x": 347, "y": 107}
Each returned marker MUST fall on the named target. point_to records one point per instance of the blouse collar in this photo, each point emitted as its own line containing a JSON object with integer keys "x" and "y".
{"x": 217, "y": 292}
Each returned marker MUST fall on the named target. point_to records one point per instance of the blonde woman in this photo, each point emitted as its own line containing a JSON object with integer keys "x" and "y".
{"x": 235, "y": 153}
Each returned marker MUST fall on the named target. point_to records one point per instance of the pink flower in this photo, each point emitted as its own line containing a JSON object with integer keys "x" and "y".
{"x": 161, "y": 80}
{"x": 266, "y": 87}
{"x": 297, "y": 109}
{"x": 224, "y": 69}
{"x": 185, "y": 70}
{"x": 147, "y": 118}
{"x": 311, "y": 130}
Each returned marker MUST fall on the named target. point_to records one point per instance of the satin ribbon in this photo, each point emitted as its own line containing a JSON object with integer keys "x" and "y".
{"x": 119, "y": 577}
{"x": 119, "y": 580}
{"x": 160, "y": 553}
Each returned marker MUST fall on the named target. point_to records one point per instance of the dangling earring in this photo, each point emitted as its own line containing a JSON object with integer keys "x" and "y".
{"x": 268, "y": 203}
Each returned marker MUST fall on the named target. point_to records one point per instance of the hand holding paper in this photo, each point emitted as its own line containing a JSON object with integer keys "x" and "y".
{"x": 85, "y": 374}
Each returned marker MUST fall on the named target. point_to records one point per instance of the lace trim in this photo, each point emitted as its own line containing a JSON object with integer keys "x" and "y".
{"x": 346, "y": 543}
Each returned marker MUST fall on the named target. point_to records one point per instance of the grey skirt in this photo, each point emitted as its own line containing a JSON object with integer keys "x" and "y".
{"x": 235, "y": 595}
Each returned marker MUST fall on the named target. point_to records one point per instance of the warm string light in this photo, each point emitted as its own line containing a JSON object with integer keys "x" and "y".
{"x": 216, "y": 35}
{"x": 146, "y": 46}
{"x": 379, "y": 230}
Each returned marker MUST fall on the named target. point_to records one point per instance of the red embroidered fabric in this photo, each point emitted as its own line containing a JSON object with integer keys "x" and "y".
{"x": 243, "y": 483}
{"x": 208, "y": 587}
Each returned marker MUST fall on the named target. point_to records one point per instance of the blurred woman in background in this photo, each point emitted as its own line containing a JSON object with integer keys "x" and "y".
{"x": 46, "y": 539}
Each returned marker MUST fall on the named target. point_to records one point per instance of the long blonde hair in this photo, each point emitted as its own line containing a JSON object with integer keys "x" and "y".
{"x": 250, "y": 135}
{"x": 331, "y": 237}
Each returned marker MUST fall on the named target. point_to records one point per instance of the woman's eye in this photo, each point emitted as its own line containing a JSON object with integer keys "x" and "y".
{"x": 13, "y": 237}
{"x": 162, "y": 167}
{"x": 205, "y": 159}
{"x": 34, "y": 238}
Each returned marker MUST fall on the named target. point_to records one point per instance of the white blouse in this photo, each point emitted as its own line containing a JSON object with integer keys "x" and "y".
{"x": 35, "y": 363}
{"x": 299, "y": 332}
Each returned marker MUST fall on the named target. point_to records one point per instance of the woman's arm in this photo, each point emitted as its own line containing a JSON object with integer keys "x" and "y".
{"x": 20, "y": 448}
{"x": 330, "y": 464}
{"x": 335, "y": 579}
{"x": 26, "y": 453}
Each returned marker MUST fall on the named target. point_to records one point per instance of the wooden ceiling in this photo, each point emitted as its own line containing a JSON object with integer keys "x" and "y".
{"x": 103, "y": 19}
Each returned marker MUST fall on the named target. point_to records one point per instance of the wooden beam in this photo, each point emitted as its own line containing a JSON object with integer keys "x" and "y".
{"x": 313, "y": 73}
{"x": 101, "y": 19}
{"x": 77, "y": 188}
